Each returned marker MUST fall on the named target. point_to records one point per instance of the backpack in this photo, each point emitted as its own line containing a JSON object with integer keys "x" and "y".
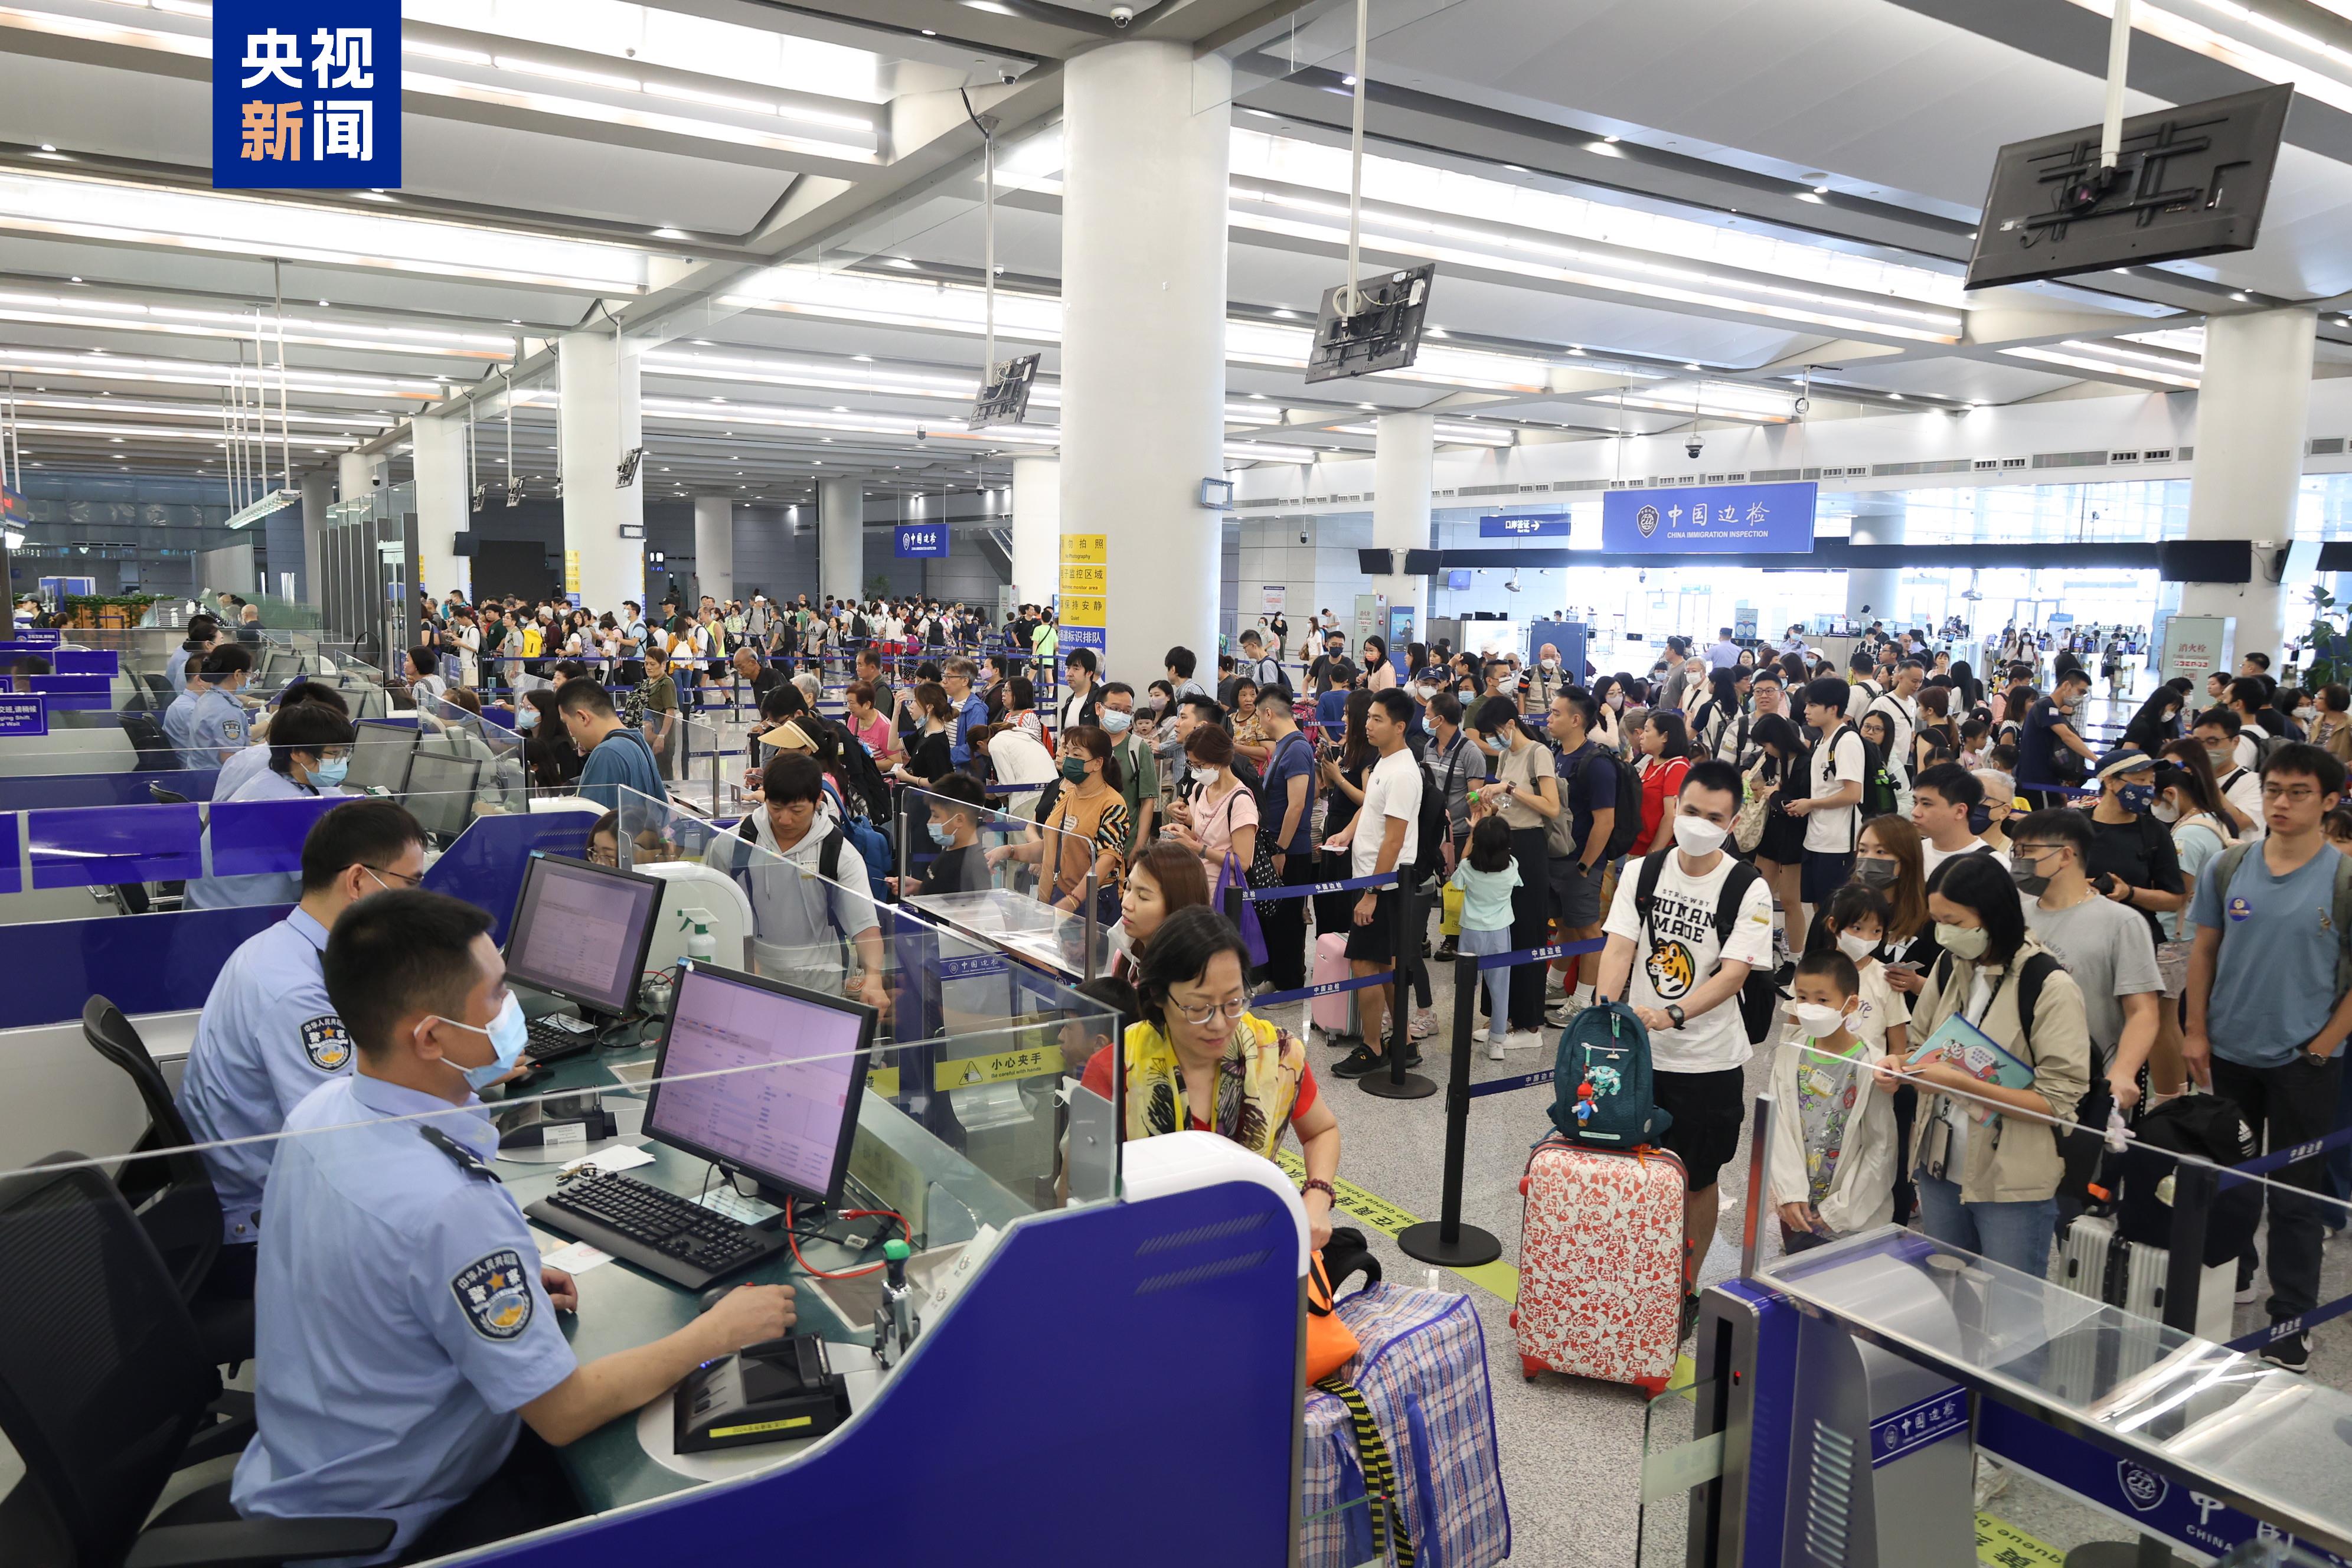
{"x": 2264, "y": 749}
{"x": 1627, "y": 826}
{"x": 1434, "y": 830}
{"x": 1878, "y": 787}
{"x": 1756, "y": 993}
{"x": 2209, "y": 1127}
{"x": 872, "y": 848}
{"x": 1601, "y": 1092}
{"x": 870, "y": 795}
{"x": 857, "y": 627}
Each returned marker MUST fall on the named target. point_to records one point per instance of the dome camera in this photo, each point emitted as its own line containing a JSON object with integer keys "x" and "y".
{"x": 1694, "y": 446}
{"x": 1302, "y": 536}
{"x": 1120, "y": 15}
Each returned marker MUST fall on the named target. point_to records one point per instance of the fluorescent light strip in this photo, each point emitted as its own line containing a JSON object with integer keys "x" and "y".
{"x": 207, "y": 411}
{"x": 2198, "y": 38}
{"x": 192, "y": 372}
{"x": 2104, "y": 366}
{"x": 233, "y": 330}
{"x": 64, "y": 428}
{"x": 1453, "y": 434}
{"x": 88, "y": 207}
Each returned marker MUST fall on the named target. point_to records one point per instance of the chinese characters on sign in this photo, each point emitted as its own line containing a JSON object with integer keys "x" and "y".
{"x": 1523, "y": 527}
{"x": 306, "y": 94}
{"x": 1770, "y": 519}
{"x": 1083, "y": 604}
{"x": 919, "y": 540}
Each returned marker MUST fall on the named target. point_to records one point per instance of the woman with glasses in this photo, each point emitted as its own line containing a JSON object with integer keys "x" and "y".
{"x": 1201, "y": 1061}
{"x": 310, "y": 752}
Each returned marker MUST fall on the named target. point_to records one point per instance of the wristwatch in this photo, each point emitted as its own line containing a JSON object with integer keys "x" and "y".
{"x": 1674, "y": 1011}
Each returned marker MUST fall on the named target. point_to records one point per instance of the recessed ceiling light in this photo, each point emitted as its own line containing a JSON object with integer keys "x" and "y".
{"x": 1691, "y": 365}
{"x": 1517, "y": 168}
{"x": 818, "y": 461}
{"x": 2240, "y": 297}
{"x": 839, "y": 408}
{"x": 46, "y": 147}
{"x": 930, "y": 32}
{"x": 1344, "y": 82}
{"x": 899, "y": 261}
{"x": 862, "y": 359}
{"x": 666, "y": 232}
{"x": 324, "y": 306}
{"x": 991, "y": 7}
{"x": 1285, "y": 314}
{"x": 1821, "y": 190}
{"x": 1896, "y": 395}
{"x": 1259, "y": 395}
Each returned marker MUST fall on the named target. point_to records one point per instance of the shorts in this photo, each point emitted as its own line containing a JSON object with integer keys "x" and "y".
{"x": 1376, "y": 943}
{"x": 1576, "y": 893}
{"x": 1708, "y": 1108}
{"x": 1821, "y": 873}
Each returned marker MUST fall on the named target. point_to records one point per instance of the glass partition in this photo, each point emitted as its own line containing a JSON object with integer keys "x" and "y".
{"x": 1006, "y": 877}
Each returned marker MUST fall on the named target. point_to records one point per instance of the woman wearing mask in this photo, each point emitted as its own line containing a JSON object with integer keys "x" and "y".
{"x": 1990, "y": 1186}
{"x": 1088, "y": 815}
{"x": 1527, "y": 791}
{"x": 1889, "y": 861}
{"x": 1223, "y": 817}
{"x": 1664, "y": 758}
{"x": 548, "y": 752}
{"x": 1778, "y": 775}
{"x": 1609, "y": 701}
{"x": 2157, "y": 723}
{"x": 928, "y": 758}
{"x": 1378, "y": 676}
{"x": 2190, "y": 810}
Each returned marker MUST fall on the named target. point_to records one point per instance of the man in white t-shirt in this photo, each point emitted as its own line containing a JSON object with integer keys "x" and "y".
{"x": 2217, "y": 729}
{"x": 1833, "y": 805}
{"x": 1944, "y": 807}
{"x": 1384, "y": 835}
{"x": 1686, "y": 984}
{"x": 1900, "y": 704}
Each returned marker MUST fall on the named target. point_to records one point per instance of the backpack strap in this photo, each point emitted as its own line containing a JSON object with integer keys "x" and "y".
{"x": 1742, "y": 877}
{"x": 2030, "y": 976}
{"x": 828, "y": 856}
{"x": 1645, "y": 885}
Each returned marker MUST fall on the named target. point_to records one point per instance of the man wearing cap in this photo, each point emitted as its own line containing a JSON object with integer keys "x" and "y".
{"x": 2131, "y": 858}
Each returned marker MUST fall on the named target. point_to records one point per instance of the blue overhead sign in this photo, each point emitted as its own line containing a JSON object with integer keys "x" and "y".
{"x": 1768, "y": 518}
{"x": 23, "y": 714}
{"x": 923, "y": 541}
{"x": 306, "y": 94}
{"x": 1523, "y": 528}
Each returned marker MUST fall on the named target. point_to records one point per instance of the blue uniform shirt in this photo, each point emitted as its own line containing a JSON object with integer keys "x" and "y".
{"x": 269, "y": 1037}
{"x": 219, "y": 729}
{"x": 176, "y": 668}
{"x": 399, "y": 1318}
{"x": 259, "y": 887}
{"x": 179, "y": 728}
{"x": 239, "y": 769}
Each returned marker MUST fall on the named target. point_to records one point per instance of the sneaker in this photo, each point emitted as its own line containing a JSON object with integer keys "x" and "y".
{"x": 1424, "y": 1023}
{"x": 2292, "y": 1353}
{"x": 1447, "y": 951}
{"x": 1358, "y": 1062}
{"x": 1991, "y": 1481}
{"x": 1560, "y": 1014}
{"x": 1523, "y": 1040}
{"x": 1479, "y": 1033}
{"x": 1493, "y": 1047}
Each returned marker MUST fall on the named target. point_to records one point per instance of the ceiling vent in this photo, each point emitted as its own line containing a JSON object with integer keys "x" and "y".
{"x": 2156, "y": 454}
{"x": 2118, "y": 457}
{"x": 2070, "y": 459}
{"x": 2327, "y": 447}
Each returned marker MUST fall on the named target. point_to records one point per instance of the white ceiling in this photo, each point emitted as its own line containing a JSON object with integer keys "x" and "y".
{"x": 1719, "y": 105}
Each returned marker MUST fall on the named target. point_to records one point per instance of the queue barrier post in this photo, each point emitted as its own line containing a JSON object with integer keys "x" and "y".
{"x": 1446, "y": 1241}
{"x": 1397, "y": 1083}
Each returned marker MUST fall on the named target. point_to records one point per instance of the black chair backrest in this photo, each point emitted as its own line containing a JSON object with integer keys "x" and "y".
{"x": 102, "y": 1378}
{"x": 171, "y": 1192}
{"x": 163, "y": 796}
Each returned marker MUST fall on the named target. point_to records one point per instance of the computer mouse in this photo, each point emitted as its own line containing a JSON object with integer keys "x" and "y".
{"x": 709, "y": 1298}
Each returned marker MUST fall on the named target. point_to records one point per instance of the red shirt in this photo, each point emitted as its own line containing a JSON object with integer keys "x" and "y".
{"x": 1097, "y": 1077}
{"x": 1661, "y": 782}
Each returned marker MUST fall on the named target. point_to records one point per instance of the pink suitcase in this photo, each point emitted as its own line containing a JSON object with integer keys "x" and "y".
{"x": 1335, "y": 1012}
{"x": 1600, "y": 1264}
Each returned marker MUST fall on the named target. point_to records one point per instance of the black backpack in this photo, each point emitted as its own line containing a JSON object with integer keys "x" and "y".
{"x": 2208, "y": 1127}
{"x": 1877, "y": 788}
{"x": 1628, "y": 824}
{"x": 1434, "y": 830}
{"x": 1756, "y": 993}
{"x": 868, "y": 794}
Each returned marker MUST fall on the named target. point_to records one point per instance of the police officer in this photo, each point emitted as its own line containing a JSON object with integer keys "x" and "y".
{"x": 216, "y": 731}
{"x": 256, "y": 758}
{"x": 269, "y": 1036}
{"x": 180, "y": 717}
{"x": 203, "y": 631}
{"x": 310, "y": 750}
{"x": 405, "y": 1330}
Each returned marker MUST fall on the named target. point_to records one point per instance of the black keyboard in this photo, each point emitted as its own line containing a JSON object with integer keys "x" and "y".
{"x": 551, "y": 1040}
{"x": 658, "y": 1231}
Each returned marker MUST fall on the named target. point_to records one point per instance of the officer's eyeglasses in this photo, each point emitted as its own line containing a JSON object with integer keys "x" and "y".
{"x": 381, "y": 872}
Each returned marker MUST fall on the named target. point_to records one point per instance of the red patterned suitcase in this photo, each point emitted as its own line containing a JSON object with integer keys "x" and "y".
{"x": 1600, "y": 1263}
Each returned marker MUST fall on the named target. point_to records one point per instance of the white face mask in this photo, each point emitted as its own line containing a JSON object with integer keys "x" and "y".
{"x": 1208, "y": 775}
{"x": 1551, "y": 664}
{"x": 1695, "y": 835}
{"x": 1816, "y": 1021}
{"x": 1856, "y": 947}
{"x": 2164, "y": 811}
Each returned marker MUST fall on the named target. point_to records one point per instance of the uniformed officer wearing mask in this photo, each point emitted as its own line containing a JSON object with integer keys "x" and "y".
{"x": 217, "y": 728}
{"x": 309, "y": 753}
{"x": 405, "y": 1330}
{"x": 269, "y": 1036}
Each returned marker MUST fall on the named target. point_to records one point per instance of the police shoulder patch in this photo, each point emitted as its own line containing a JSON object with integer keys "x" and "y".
{"x": 495, "y": 1294}
{"x": 327, "y": 1043}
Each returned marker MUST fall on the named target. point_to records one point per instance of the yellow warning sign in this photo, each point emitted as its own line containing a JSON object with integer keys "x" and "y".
{"x": 1084, "y": 610}
{"x": 1082, "y": 577}
{"x": 1088, "y": 547}
{"x": 2002, "y": 1545}
{"x": 999, "y": 1067}
{"x": 571, "y": 571}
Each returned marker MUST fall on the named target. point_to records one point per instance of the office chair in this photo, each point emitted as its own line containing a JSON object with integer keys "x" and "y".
{"x": 172, "y": 1193}
{"x": 163, "y": 796}
{"x": 105, "y": 1391}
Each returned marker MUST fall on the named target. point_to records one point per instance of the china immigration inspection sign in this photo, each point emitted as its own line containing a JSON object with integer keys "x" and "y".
{"x": 306, "y": 94}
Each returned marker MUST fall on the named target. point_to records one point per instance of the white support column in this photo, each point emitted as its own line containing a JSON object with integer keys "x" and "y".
{"x": 601, "y": 424}
{"x": 1143, "y": 337}
{"x": 1403, "y": 455}
{"x": 1036, "y": 529}
{"x": 444, "y": 507}
{"x": 841, "y": 539}
{"x": 714, "y": 546}
{"x": 358, "y": 474}
{"x": 1869, "y": 593}
{"x": 2250, "y": 413}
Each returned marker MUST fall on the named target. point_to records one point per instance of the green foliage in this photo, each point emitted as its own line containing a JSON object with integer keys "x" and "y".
{"x": 878, "y": 587}
{"x": 2331, "y": 655}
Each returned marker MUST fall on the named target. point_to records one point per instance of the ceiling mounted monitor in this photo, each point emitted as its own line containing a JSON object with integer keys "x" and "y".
{"x": 2189, "y": 181}
{"x": 1383, "y": 332}
{"x": 2204, "y": 561}
{"x": 1006, "y": 399}
{"x": 1376, "y": 563}
{"x": 1421, "y": 563}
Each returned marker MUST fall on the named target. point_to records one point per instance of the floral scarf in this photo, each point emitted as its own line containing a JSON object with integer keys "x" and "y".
{"x": 1257, "y": 1084}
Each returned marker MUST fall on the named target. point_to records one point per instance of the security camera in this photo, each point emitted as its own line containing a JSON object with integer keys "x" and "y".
{"x": 1694, "y": 446}
{"x": 921, "y": 433}
{"x": 1302, "y": 536}
{"x": 376, "y": 480}
{"x": 1120, "y": 15}
{"x": 1007, "y": 78}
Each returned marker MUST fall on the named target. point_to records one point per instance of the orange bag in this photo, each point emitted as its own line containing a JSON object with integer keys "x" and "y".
{"x": 1330, "y": 1342}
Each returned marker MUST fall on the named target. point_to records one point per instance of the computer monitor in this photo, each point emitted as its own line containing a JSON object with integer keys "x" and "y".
{"x": 380, "y": 753}
{"x": 440, "y": 792}
{"x": 581, "y": 931}
{"x": 279, "y": 665}
{"x": 786, "y": 1122}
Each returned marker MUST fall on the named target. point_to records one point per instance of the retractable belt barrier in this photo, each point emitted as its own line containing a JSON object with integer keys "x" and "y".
{"x": 1396, "y": 1083}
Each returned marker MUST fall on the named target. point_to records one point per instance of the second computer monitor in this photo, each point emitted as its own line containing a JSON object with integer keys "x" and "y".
{"x": 380, "y": 753}
{"x": 761, "y": 1078}
{"x": 581, "y": 931}
{"x": 441, "y": 790}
